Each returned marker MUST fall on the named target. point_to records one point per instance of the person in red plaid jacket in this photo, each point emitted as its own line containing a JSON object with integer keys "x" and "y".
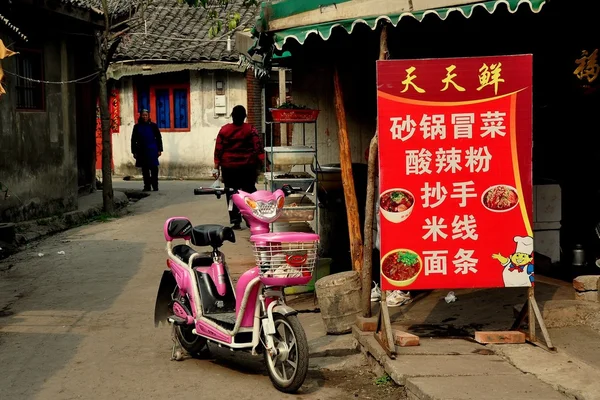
{"x": 239, "y": 156}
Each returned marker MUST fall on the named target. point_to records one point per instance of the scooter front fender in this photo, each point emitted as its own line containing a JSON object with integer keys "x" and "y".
{"x": 284, "y": 310}
{"x": 164, "y": 297}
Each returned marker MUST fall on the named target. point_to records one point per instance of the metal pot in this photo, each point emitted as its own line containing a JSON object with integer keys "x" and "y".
{"x": 578, "y": 256}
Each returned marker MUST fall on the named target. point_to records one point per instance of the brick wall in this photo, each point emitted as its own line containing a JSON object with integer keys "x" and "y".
{"x": 255, "y": 108}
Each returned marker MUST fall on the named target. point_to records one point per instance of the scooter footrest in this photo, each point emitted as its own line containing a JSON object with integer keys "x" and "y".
{"x": 174, "y": 319}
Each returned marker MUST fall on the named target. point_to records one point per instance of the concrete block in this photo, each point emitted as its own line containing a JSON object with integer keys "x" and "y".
{"x": 354, "y": 361}
{"x": 367, "y": 324}
{"x": 500, "y": 337}
{"x": 587, "y": 296}
{"x": 585, "y": 283}
{"x": 333, "y": 346}
{"x": 405, "y": 339}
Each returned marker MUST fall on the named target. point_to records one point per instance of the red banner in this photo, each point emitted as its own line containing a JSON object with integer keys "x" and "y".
{"x": 114, "y": 107}
{"x": 455, "y": 148}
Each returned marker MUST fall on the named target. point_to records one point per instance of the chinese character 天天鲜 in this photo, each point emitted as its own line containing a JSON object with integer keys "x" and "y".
{"x": 433, "y": 126}
{"x": 449, "y": 79}
{"x": 490, "y": 76}
{"x": 464, "y": 262}
{"x": 437, "y": 193}
{"x": 463, "y": 125}
{"x": 587, "y": 66}
{"x": 408, "y": 82}
{"x": 464, "y": 227}
{"x": 478, "y": 160}
{"x": 417, "y": 162}
{"x": 493, "y": 124}
{"x": 463, "y": 191}
{"x": 448, "y": 160}
{"x": 436, "y": 262}
{"x": 402, "y": 128}
{"x": 434, "y": 228}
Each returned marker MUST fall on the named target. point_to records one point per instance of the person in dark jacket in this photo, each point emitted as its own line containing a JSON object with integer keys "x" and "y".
{"x": 147, "y": 147}
{"x": 239, "y": 155}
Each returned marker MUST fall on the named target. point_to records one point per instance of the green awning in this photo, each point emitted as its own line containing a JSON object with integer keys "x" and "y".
{"x": 324, "y": 30}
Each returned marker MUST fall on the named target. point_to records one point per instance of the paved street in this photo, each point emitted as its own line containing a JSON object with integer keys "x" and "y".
{"x": 80, "y": 325}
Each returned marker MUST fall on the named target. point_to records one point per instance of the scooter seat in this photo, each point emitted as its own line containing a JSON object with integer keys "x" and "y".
{"x": 212, "y": 235}
{"x": 184, "y": 253}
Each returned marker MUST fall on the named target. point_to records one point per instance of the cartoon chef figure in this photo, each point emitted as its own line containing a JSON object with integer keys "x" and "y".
{"x": 518, "y": 268}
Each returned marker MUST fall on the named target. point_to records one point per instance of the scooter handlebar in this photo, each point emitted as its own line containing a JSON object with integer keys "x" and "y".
{"x": 287, "y": 189}
{"x": 209, "y": 190}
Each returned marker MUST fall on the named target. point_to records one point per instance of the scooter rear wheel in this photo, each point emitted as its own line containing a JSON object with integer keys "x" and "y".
{"x": 288, "y": 368}
{"x": 191, "y": 342}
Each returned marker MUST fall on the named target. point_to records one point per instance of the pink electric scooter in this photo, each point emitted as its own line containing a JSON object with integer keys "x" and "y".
{"x": 196, "y": 295}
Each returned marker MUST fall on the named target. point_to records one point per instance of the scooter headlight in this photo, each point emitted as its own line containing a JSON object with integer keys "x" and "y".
{"x": 251, "y": 203}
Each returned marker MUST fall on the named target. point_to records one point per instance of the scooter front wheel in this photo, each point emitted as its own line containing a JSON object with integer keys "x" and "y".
{"x": 288, "y": 362}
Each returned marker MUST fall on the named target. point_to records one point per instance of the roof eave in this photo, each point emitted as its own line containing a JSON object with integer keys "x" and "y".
{"x": 121, "y": 69}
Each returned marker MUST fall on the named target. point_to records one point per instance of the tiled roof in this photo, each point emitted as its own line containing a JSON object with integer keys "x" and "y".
{"x": 180, "y": 33}
{"x": 115, "y": 7}
{"x": 12, "y": 27}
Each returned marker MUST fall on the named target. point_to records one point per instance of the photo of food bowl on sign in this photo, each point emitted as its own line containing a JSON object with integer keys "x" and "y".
{"x": 396, "y": 205}
{"x": 455, "y": 174}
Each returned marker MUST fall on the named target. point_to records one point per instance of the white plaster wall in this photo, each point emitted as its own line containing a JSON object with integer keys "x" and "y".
{"x": 186, "y": 154}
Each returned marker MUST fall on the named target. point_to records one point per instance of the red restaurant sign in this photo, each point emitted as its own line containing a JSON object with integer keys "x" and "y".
{"x": 455, "y": 148}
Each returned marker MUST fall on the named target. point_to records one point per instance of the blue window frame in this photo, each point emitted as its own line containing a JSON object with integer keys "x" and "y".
{"x": 169, "y": 105}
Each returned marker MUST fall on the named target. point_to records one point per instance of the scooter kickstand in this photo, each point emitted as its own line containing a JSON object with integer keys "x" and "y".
{"x": 177, "y": 353}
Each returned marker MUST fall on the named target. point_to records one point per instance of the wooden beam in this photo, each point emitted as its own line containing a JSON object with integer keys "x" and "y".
{"x": 355, "y": 9}
{"x": 356, "y": 243}
{"x": 346, "y": 10}
{"x": 367, "y": 269}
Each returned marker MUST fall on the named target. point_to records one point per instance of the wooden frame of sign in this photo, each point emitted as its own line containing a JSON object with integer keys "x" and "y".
{"x": 531, "y": 312}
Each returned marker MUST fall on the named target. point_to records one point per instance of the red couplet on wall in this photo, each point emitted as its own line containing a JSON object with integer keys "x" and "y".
{"x": 455, "y": 170}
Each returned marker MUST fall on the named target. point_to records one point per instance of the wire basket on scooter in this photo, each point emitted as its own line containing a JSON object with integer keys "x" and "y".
{"x": 285, "y": 259}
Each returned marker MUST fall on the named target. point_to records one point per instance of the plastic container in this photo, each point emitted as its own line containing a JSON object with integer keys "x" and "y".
{"x": 301, "y": 180}
{"x": 297, "y": 207}
{"x": 284, "y": 158}
{"x": 293, "y": 115}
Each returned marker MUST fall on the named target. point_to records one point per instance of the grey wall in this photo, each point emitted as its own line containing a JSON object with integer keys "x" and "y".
{"x": 38, "y": 150}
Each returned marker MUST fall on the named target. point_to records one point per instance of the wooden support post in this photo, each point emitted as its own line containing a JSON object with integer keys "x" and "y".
{"x": 531, "y": 311}
{"x": 367, "y": 271}
{"x": 373, "y": 165}
{"x": 384, "y": 334}
{"x": 356, "y": 247}
{"x": 531, "y": 314}
{"x": 283, "y": 136}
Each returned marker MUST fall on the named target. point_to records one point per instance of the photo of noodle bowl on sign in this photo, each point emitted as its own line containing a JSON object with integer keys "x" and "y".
{"x": 401, "y": 267}
{"x": 396, "y": 205}
{"x": 500, "y": 198}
